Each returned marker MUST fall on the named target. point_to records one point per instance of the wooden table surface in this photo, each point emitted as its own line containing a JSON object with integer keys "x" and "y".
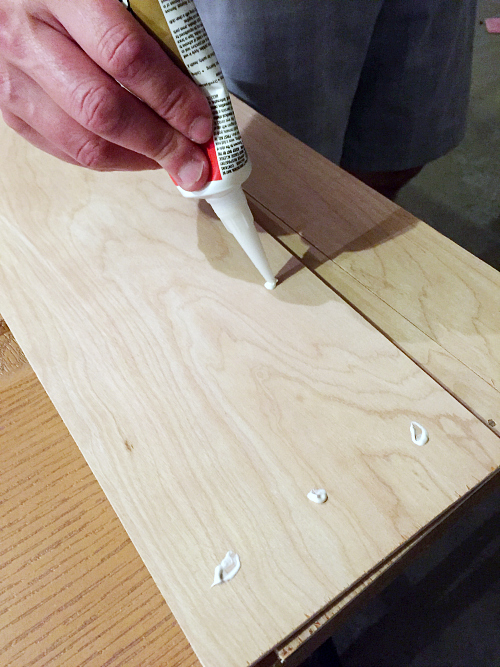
{"x": 75, "y": 591}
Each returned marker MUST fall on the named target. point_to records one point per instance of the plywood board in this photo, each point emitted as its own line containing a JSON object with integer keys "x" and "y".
{"x": 436, "y": 301}
{"x": 208, "y": 407}
{"x": 119, "y": 615}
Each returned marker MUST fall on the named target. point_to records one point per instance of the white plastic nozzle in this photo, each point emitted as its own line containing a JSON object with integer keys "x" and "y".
{"x": 232, "y": 209}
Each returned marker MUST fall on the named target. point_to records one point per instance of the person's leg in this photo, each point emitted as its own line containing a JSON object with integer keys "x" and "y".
{"x": 379, "y": 86}
{"x": 411, "y": 102}
{"x": 388, "y": 183}
{"x": 297, "y": 62}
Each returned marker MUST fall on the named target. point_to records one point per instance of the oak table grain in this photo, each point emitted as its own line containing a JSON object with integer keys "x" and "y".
{"x": 74, "y": 590}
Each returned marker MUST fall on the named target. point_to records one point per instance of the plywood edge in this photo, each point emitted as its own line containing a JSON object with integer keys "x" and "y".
{"x": 479, "y": 396}
{"x": 12, "y": 359}
{"x": 318, "y": 628}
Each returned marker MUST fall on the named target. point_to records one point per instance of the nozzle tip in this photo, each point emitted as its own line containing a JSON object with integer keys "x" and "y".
{"x": 270, "y": 284}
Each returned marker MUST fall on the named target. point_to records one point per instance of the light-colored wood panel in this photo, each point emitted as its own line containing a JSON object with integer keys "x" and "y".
{"x": 451, "y": 296}
{"x": 434, "y": 299}
{"x": 74, "y": 590}
{"x": 480, "y": 396}
{"x": 208, "y": 407}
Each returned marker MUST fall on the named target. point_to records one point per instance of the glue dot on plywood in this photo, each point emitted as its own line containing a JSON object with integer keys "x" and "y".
{"x": 318, "y": 496}
{"x": 227, "y": 568}
{"x": 419, "y": 434}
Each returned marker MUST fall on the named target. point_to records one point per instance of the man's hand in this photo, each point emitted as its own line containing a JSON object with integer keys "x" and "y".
{"x": 60, "y": 62}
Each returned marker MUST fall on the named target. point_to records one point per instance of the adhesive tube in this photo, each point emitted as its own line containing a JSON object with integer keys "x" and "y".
{"x": 178, "y": 27}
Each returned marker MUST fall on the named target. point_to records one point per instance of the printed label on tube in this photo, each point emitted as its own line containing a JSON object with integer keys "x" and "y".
{"x": 201, "y": 62}
{"x": 225, "y": 151}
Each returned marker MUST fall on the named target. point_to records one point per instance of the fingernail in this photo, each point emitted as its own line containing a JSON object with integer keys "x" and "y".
{"x": 190, "y": 173}
{"x": 200, "y": 130}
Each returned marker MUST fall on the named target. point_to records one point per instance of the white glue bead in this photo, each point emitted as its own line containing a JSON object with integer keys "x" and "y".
{"x": 227, "y": 568}
{"x": 318, "y": 495}
{"x": 419, "y": 434}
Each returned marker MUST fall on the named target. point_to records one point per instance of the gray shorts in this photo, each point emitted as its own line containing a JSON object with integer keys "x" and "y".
{"x": 374, "y": 85}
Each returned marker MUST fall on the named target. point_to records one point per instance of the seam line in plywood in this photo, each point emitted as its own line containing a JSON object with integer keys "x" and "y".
{"x": 483, "y": 420}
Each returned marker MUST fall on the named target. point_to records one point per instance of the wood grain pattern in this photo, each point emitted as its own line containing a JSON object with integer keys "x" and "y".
{"x": 207, "y": 407}
{"x": 74, "y": 590}
{"x": 19, "y": 391}
{"x": 436, "y": 301}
